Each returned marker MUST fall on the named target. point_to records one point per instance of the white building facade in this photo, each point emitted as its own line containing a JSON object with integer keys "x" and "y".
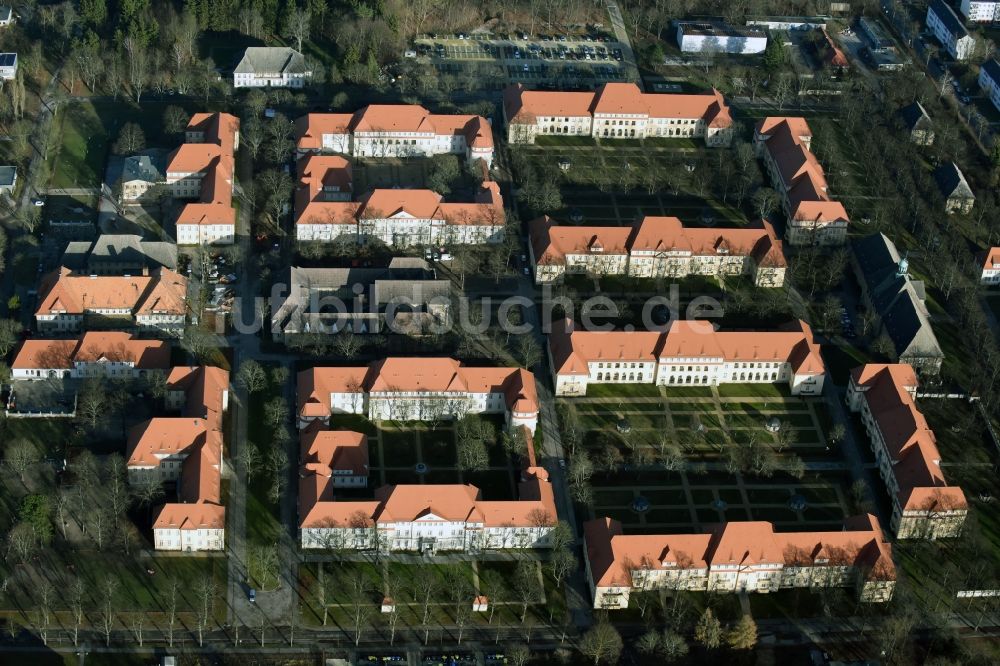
{"x": 697, "y": 37}
{"x": 400, "y": 130}
{"x": 979, "y": 11}
{"x": 691, "y": 353}
{"x": 424, "y": 389}
{"x": 950, "y": 30}
{"x": 616, "y": 111}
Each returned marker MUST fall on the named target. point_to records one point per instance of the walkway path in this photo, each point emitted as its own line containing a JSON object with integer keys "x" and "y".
{"x": 851, "y": 447}
{"x": 621, "y": 34}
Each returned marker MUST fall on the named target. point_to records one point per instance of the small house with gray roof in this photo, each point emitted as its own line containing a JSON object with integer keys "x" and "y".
{"x": 918, "y": 124}
{"x": 955, "y": 189}
{"x": 140, "y": 174}
{"x": 898, "y": 302}
{"x": 271, "y": 67}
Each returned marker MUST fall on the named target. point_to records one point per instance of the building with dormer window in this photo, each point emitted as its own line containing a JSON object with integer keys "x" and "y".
{"x": 737, "y": 557}
{"x": 186, "y": 450}
{"x": 616, "y": 111}
{"x": 422, "y": 518}
{"x": 924, "y": 506}
{"x": 689, "y": 353}
{"x": 656, "y": 247}
{"x": 417, "y": 389}
{"x": 395, "y": 130}
{"x": 96, "y": 354}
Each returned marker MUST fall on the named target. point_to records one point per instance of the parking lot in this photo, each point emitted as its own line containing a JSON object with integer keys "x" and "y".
{"x": 547, "y": 59}
{"x": 53, "y": 395}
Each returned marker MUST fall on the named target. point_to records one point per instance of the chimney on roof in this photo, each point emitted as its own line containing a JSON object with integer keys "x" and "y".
{"x": 902, "y": 267}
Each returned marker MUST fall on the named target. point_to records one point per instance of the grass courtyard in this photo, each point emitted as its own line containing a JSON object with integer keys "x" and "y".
{"x": 622, "y": 426}
{"x": 395, "y": 450}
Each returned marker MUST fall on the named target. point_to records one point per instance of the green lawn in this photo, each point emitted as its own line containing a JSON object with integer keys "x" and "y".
{"x": 622, "y": 391}
{"x": 85, "y": 130}
{"x": 561, "y": 141}
{"x": 753, "y": 390}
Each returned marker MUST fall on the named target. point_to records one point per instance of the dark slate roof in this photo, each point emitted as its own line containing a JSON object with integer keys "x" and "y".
{"x": 992, "y": 67}
{"x": 915, "y": 117}
{"x": 952, "y": 182}
{"x": 148, "y": 168}
{"x": 271, "y": 60}
{"x": 124, "y": 249}
{"x": 948, "y": 17}
{"x": 897, "y": 299}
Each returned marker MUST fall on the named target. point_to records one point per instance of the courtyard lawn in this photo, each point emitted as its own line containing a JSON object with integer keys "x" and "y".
{"x": 753, "y": 391}
{"x": 622, "y": 391}
{"x": 550, "y": 140}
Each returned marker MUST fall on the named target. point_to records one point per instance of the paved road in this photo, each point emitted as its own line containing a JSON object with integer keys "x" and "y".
{"x": 621, "y": 34}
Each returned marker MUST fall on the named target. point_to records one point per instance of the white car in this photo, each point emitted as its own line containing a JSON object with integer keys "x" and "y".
{"x": 38, "y": 202}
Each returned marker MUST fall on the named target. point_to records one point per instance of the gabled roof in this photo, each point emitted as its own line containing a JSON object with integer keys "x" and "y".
{"x": 163, "y": 290}
{"x": 991, "y": 259}
{"x": 271, "y": 60}
{"x": 952, "y": 182}
{"x": 196, "y": 434}
{"x": 552, "y": 242}
{"x": 572, "y": 350}
{"x": 335, "y": 449}
{"x": 909, "y": 441}
{"x": 408, "y": 118}
{"x": 613, "y": 555}
{"x": 441, "y": 374}
{"x": 803, "y": 181}
{"x": 915, "y": 117}
{"x": 199, "y": 516}
{"x": 897, "y": 298}
{"x": 524, "y": 106}
{"x": 91, "y": 347}
{"x": 947, "y": 16}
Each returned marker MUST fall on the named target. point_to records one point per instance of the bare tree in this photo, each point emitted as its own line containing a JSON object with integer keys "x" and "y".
{"x": 20, "y": 455}
{"x": 251, "y": 376}
{"x": 249, "y": 460}
{"x": 297, "y": 26}
{"x": 138, "y": 65}
{"x": 136, "y": 620}
{"x": 601, "y": 643}
{"x": 171, "y": 601}
{"x": 107, "y": 617}
{"x": 205, "y": 591}
{"x": 76, "y": 607}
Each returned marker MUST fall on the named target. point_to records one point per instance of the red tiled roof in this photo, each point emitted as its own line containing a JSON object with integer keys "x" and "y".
{"x": 613, "y": 555}
{"x": 909, "y": 441}
{"x": 161, "y": 291}
{"x": 414, "y": 374}
{"x": 524, "y": 106}
{"x": 91, "y": 347}
{"x": 573, "y": 349}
